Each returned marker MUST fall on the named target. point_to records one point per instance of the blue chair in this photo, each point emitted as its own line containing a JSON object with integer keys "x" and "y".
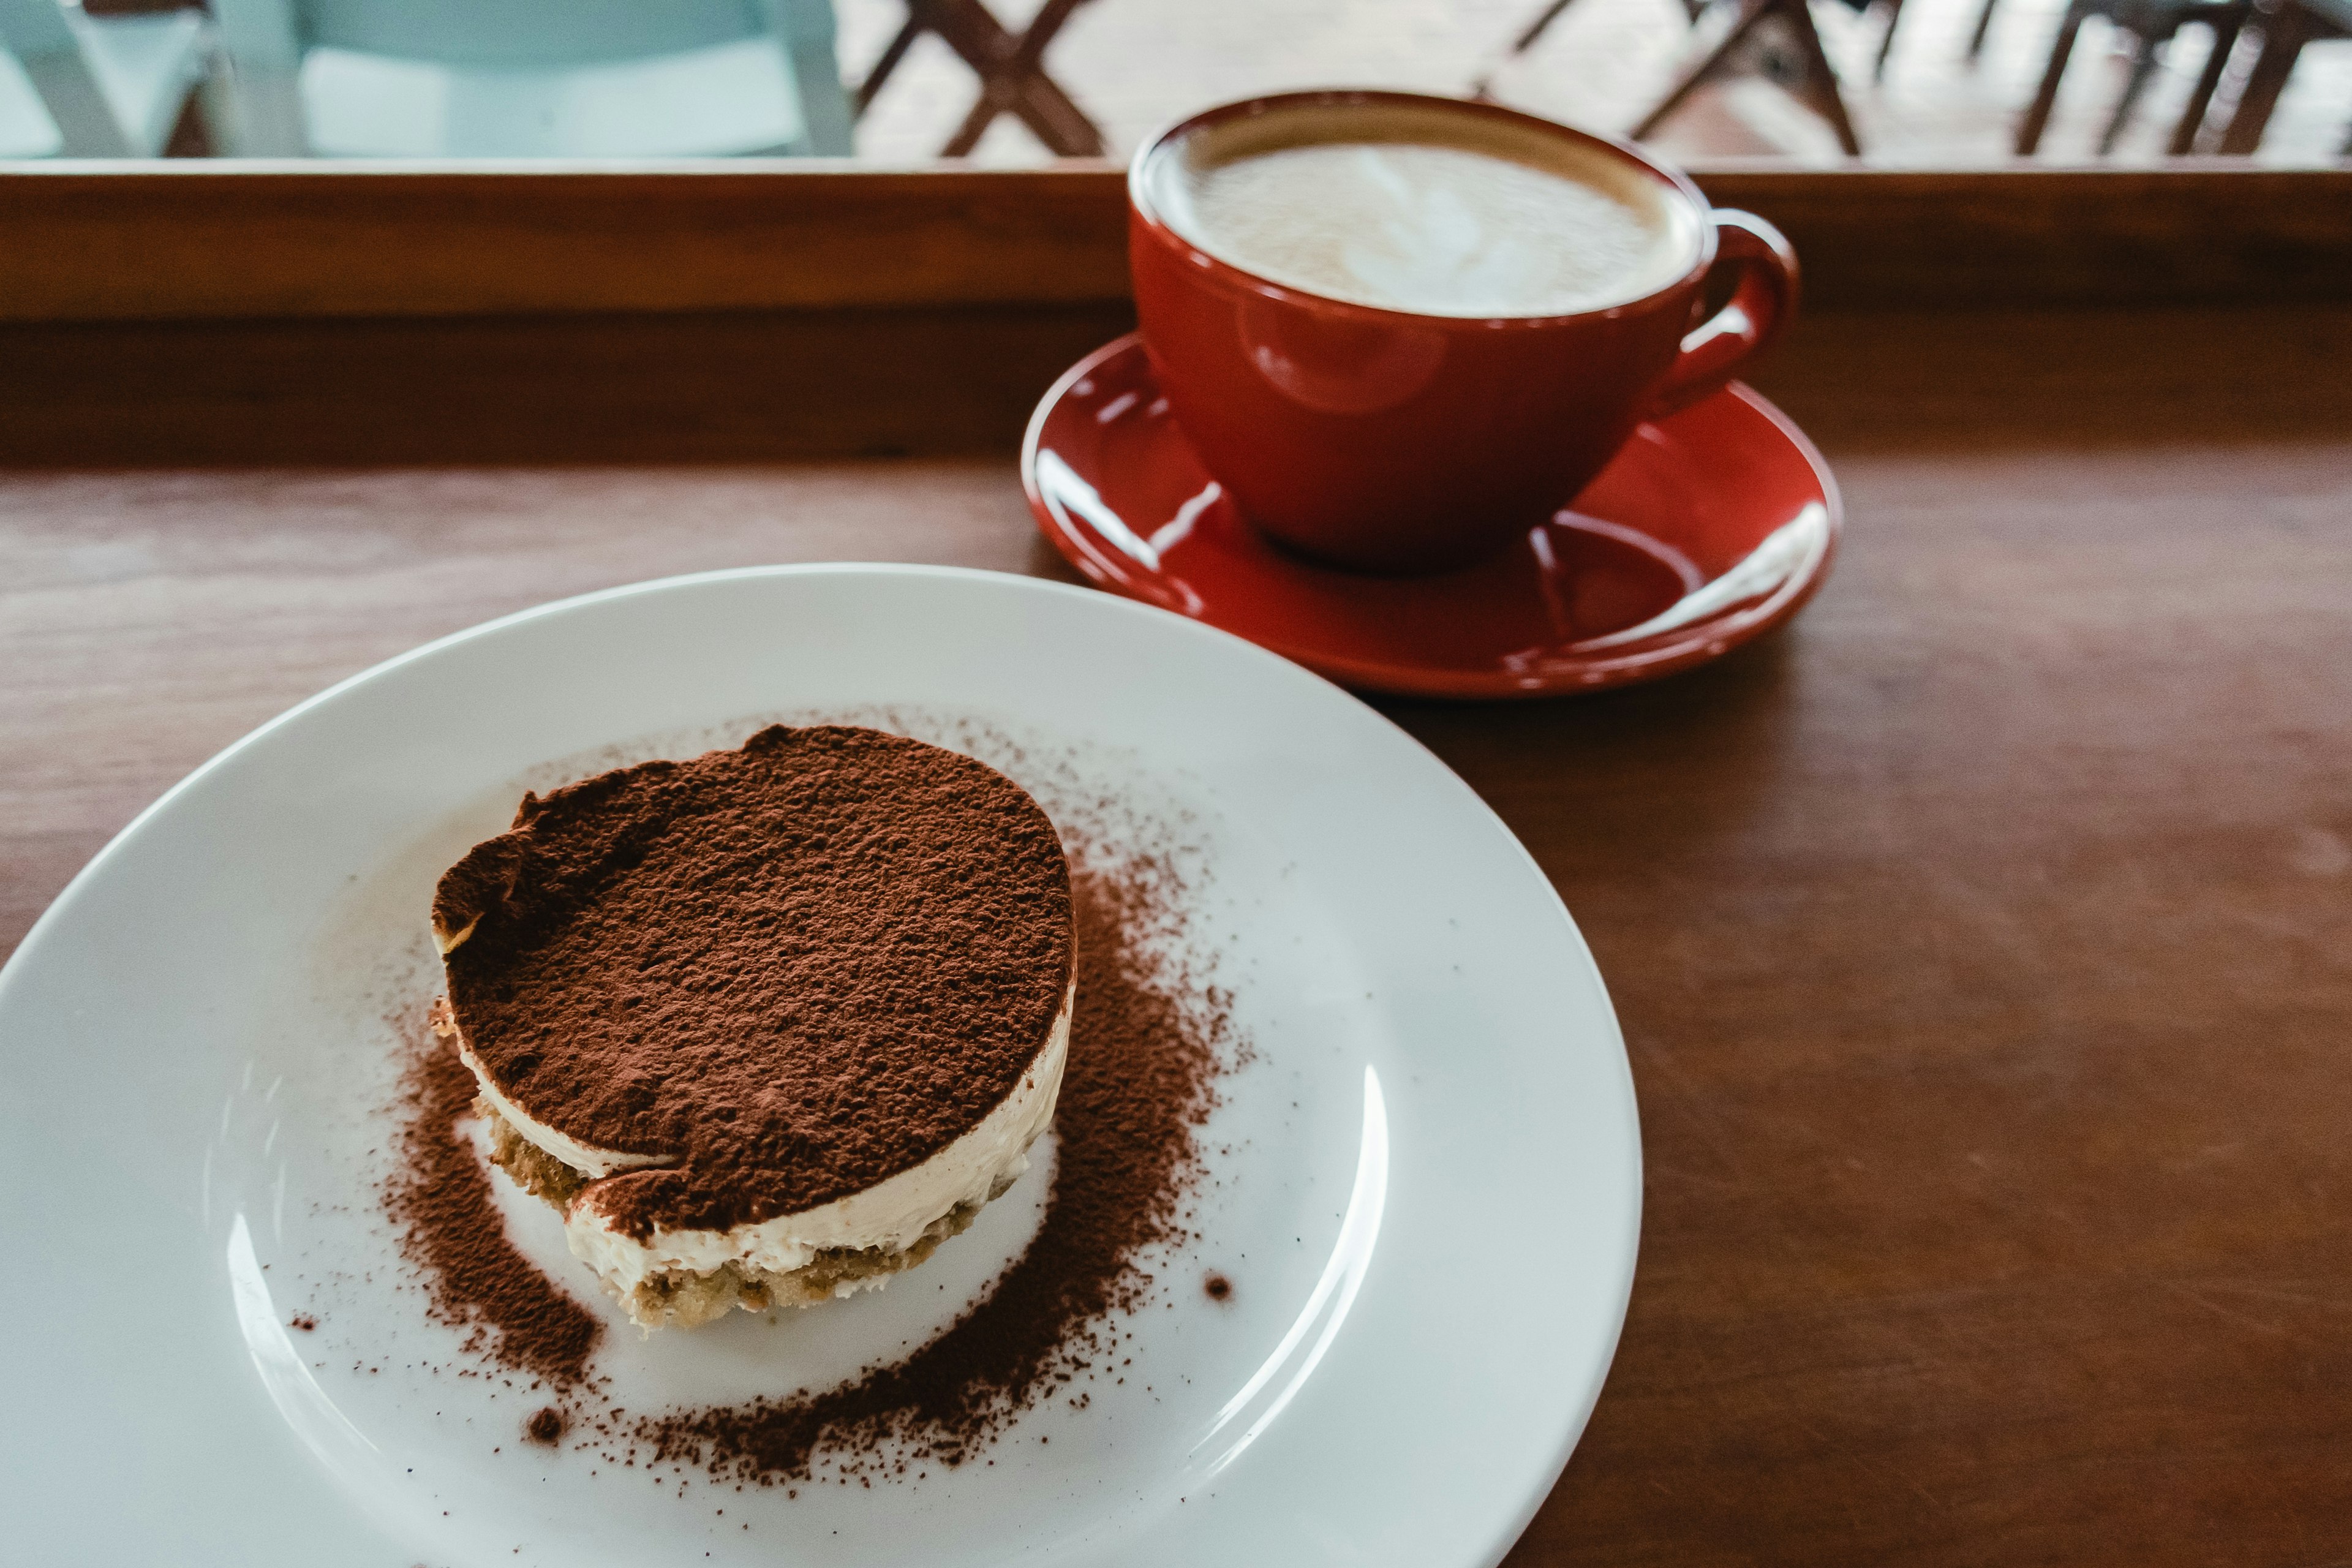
{"x": 528, "y": 78}
{"x": 90, "y": 86}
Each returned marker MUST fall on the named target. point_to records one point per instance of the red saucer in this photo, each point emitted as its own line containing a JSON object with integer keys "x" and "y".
{"x": 1711, "y": 527}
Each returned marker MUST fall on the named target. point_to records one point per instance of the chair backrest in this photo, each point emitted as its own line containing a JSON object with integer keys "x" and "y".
{"x": 525, "y": 33}
{"x": 38, "y": 34}
{"x": 31, "y": 29}
{"x": 256, "y": 105}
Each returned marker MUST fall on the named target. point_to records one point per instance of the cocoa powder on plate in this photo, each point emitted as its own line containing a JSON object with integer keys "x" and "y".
{"x": 1148, "y": 1042}
{"x": 439, "y": 1200}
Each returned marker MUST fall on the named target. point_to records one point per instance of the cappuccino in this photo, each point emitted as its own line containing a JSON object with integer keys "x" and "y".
{"x": 1420, "y": 209}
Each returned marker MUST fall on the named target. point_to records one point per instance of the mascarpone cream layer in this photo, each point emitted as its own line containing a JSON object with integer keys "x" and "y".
{"x": 891, "y": 1215}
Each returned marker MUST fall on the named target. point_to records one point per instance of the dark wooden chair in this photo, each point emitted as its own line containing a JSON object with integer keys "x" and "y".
{"x": 1801, "y": 69}
{"x": 1011, "y": 68}
{"x": 1894, "y": 9}
{"x": 2284, "y": 28}
{"x": 2151, "y": 25}
{"x": 1976, "y": 34}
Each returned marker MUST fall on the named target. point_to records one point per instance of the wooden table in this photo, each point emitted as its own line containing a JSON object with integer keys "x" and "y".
{"x": 1983, "y": 943}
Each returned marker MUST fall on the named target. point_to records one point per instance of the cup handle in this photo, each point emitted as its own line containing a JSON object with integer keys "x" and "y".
{"x": 1762, "y": 304}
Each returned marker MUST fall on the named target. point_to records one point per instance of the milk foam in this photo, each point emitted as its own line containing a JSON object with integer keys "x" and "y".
{"x": 1424, "y": 211}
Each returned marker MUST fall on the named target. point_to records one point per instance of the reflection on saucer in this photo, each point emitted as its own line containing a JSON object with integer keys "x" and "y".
{"x": 1779, "y": 559}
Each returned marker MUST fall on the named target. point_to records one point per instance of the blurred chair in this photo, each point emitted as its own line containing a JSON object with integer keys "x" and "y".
{"x": 1012, "y": 70}
{"x": 528, "y": 78}
{"x": 1777, "y": 39}
{"x": 1894, "y": 9}
{"x": 2151, "y": 25}
{"x": 1976, "y": 34}
{"x": 1540, "y": 23}
{"x": 2284, "y": 28}
{"x": 1795, "y": 61}
{"x": 111, "y": 87}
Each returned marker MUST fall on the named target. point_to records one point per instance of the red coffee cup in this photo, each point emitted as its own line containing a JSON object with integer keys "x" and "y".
{"x": 1388, "y": 440}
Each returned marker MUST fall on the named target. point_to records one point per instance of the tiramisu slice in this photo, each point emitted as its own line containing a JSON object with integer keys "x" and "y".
{"x": 767, "y": 1026}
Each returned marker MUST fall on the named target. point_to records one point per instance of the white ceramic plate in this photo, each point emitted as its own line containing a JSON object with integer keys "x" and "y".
{"x": 1426, "y": 1187}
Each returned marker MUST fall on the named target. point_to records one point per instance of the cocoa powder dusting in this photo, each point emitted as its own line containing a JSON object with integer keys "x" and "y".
{"x": 439, "y": 1198}
{"x": 1143, "y": 1059}
{"x": 789, "y": 970}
